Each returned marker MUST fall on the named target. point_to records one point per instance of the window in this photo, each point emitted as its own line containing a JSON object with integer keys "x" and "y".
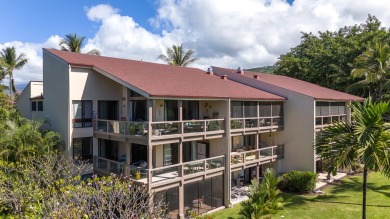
{"x": 190, "y": 110}
{"x": 171, "y": 110}
{"x": 108, "y": 109}
{"x": 250, "y": 109}
{"x": 337, "y": 108}
{"x": 236, "y": 108}
{"x": 36, "y": 105}
{"x": 265, "y": 109}
{"x": 82, "y": 149}
{"x": 40, "y": 106}
{"x": 277, "y": 109}
{"x": 82, "y": 113}
{"x": 33, "y": 106}
{"x": 139, "y": 110}
{"x": 322, "y": 108}
{"x": 170, "y": 154}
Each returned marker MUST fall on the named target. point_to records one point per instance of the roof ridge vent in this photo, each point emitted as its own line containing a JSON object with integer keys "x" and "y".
{"x": 210, "y": 71}
{"x": 240, "y": 71}
{"x": 224, "y": 77}
{"x": 256, "y": 77}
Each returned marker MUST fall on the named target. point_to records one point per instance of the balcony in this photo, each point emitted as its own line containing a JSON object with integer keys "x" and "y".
{"x": 323, "y": 121}
{"x": 188, "y": 127}
{"x": 161, "y": 175}
{"x": 256, "y": 123}
{"x": 257, "y": 156}
{"x": 160, "y": 130}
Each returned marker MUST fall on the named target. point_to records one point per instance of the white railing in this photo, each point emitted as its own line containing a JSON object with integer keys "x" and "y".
{"x": 159, "y": 174}
{"x": 187, "y": 127}
{"x": 256, "y": 122}
{"x": 257, "y": 155}
{"x": 121, "y": 127}
{"x": 163, "y": 128}
{"x": 322, "y": 121}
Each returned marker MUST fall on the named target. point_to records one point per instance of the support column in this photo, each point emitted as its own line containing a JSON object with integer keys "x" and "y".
{"x": 181, "y": 202}
{"x": 180, "y": 106}
{"x": 123, "y": 110}
{"x": 128, "y": 158}
{"x": 180, "y": 161}
{"x": 228, "y": 141}
{"x": 150, "y": 146}
{"x": 348, "y": 112}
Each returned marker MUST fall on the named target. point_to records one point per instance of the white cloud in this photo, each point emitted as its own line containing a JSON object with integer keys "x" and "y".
{"x": 229, "y": 33}
{"x": 33, "y": 51}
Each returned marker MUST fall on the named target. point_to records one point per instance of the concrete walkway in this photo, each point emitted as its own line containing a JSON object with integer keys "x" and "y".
{"x": 323, "y": 181}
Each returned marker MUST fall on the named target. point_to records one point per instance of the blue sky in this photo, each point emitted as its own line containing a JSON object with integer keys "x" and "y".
{"x": 226, "y": 33}
{"x": 38, "y": 19}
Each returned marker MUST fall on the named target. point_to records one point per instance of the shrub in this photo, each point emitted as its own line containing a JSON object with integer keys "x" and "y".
{"x": 298, "y": 181}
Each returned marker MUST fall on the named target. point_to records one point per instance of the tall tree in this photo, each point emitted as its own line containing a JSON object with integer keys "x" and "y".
{"x": 327, "y": 58}
{"x": 10, "y": 62}
{"x": 177, "y": 56}
{"x": 374, "y": 66}
{"x": 73, "y": 43}
{"x": 365, "y": 142}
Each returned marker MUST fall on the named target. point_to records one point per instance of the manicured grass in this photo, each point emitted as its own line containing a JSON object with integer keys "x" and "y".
{"x": 341, "y": 200}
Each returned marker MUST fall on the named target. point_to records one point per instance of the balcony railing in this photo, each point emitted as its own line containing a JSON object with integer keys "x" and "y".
{"x": 107, "y": 166}
{"x": 160, "y": 174}
{"x": 257, "y": 155}
{"x": 121, "y": 127}
{"x": 187, "y": 127}
{"x": 159, "y": 128}
{"x": 327, "y": 120}
{"x": 255, "y": 123}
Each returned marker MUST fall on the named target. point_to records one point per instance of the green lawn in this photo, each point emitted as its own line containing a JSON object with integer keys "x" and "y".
{"x": 339, "y": 201}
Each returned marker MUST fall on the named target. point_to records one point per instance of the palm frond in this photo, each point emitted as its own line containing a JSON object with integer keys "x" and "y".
{"x": 176, "y": 56}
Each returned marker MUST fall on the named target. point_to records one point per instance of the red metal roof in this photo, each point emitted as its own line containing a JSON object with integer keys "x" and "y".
{"x": 292, "y": 84}
{"x": 159, "y": 80}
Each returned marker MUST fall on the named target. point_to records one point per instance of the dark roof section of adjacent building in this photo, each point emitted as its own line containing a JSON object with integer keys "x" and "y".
{"x": 288, "y": 83}
{"x": 159, "y": 80}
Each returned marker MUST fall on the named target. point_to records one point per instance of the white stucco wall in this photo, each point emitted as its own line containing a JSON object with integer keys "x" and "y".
{"x": 23, "y": 102}
{"x": 56, "y": 94}
{"x": 86, "y": 84}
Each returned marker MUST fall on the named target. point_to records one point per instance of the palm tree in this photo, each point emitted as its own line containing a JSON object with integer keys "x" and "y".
{"x": 177, "y": 56}
{"x": 73, "y": 43}
{"x": 10, "y": 62}
{"x": 22, "y": 138}
{"x": 364, "y": 142}
{"x": 374, "y": 65}
{"x": 263, "y": 198}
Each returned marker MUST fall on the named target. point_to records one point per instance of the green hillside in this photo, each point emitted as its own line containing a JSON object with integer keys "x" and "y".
{"x": 264, "y": 69}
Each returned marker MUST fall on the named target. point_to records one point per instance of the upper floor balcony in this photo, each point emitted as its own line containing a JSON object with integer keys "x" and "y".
{"x": 162, "y": 175}
{"x": 244, "y": 158}
{"x": 329, "y": 112}
{"x": 256, "y": 116}
{"x": 160, "y": 130}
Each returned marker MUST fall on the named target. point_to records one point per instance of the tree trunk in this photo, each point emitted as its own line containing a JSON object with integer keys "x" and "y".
{"x": 364, "y": 192}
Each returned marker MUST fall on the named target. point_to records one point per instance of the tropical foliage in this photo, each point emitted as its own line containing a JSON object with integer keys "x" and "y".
{"x": 374, "y": 66}
{"x": 364, "y": 142}
{"x": 177, "y": 56}
{"x": 298, "y": 181}
{"x": 264, "y": 198}
{"x": 50, "y": 186}
{"x": 328, "y": 58}
{"x": 74, "y": 43}
{"x": 9, "y": 62}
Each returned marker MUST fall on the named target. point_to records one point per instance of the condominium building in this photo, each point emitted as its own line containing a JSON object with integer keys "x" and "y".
{"x": 190, "y": 136}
